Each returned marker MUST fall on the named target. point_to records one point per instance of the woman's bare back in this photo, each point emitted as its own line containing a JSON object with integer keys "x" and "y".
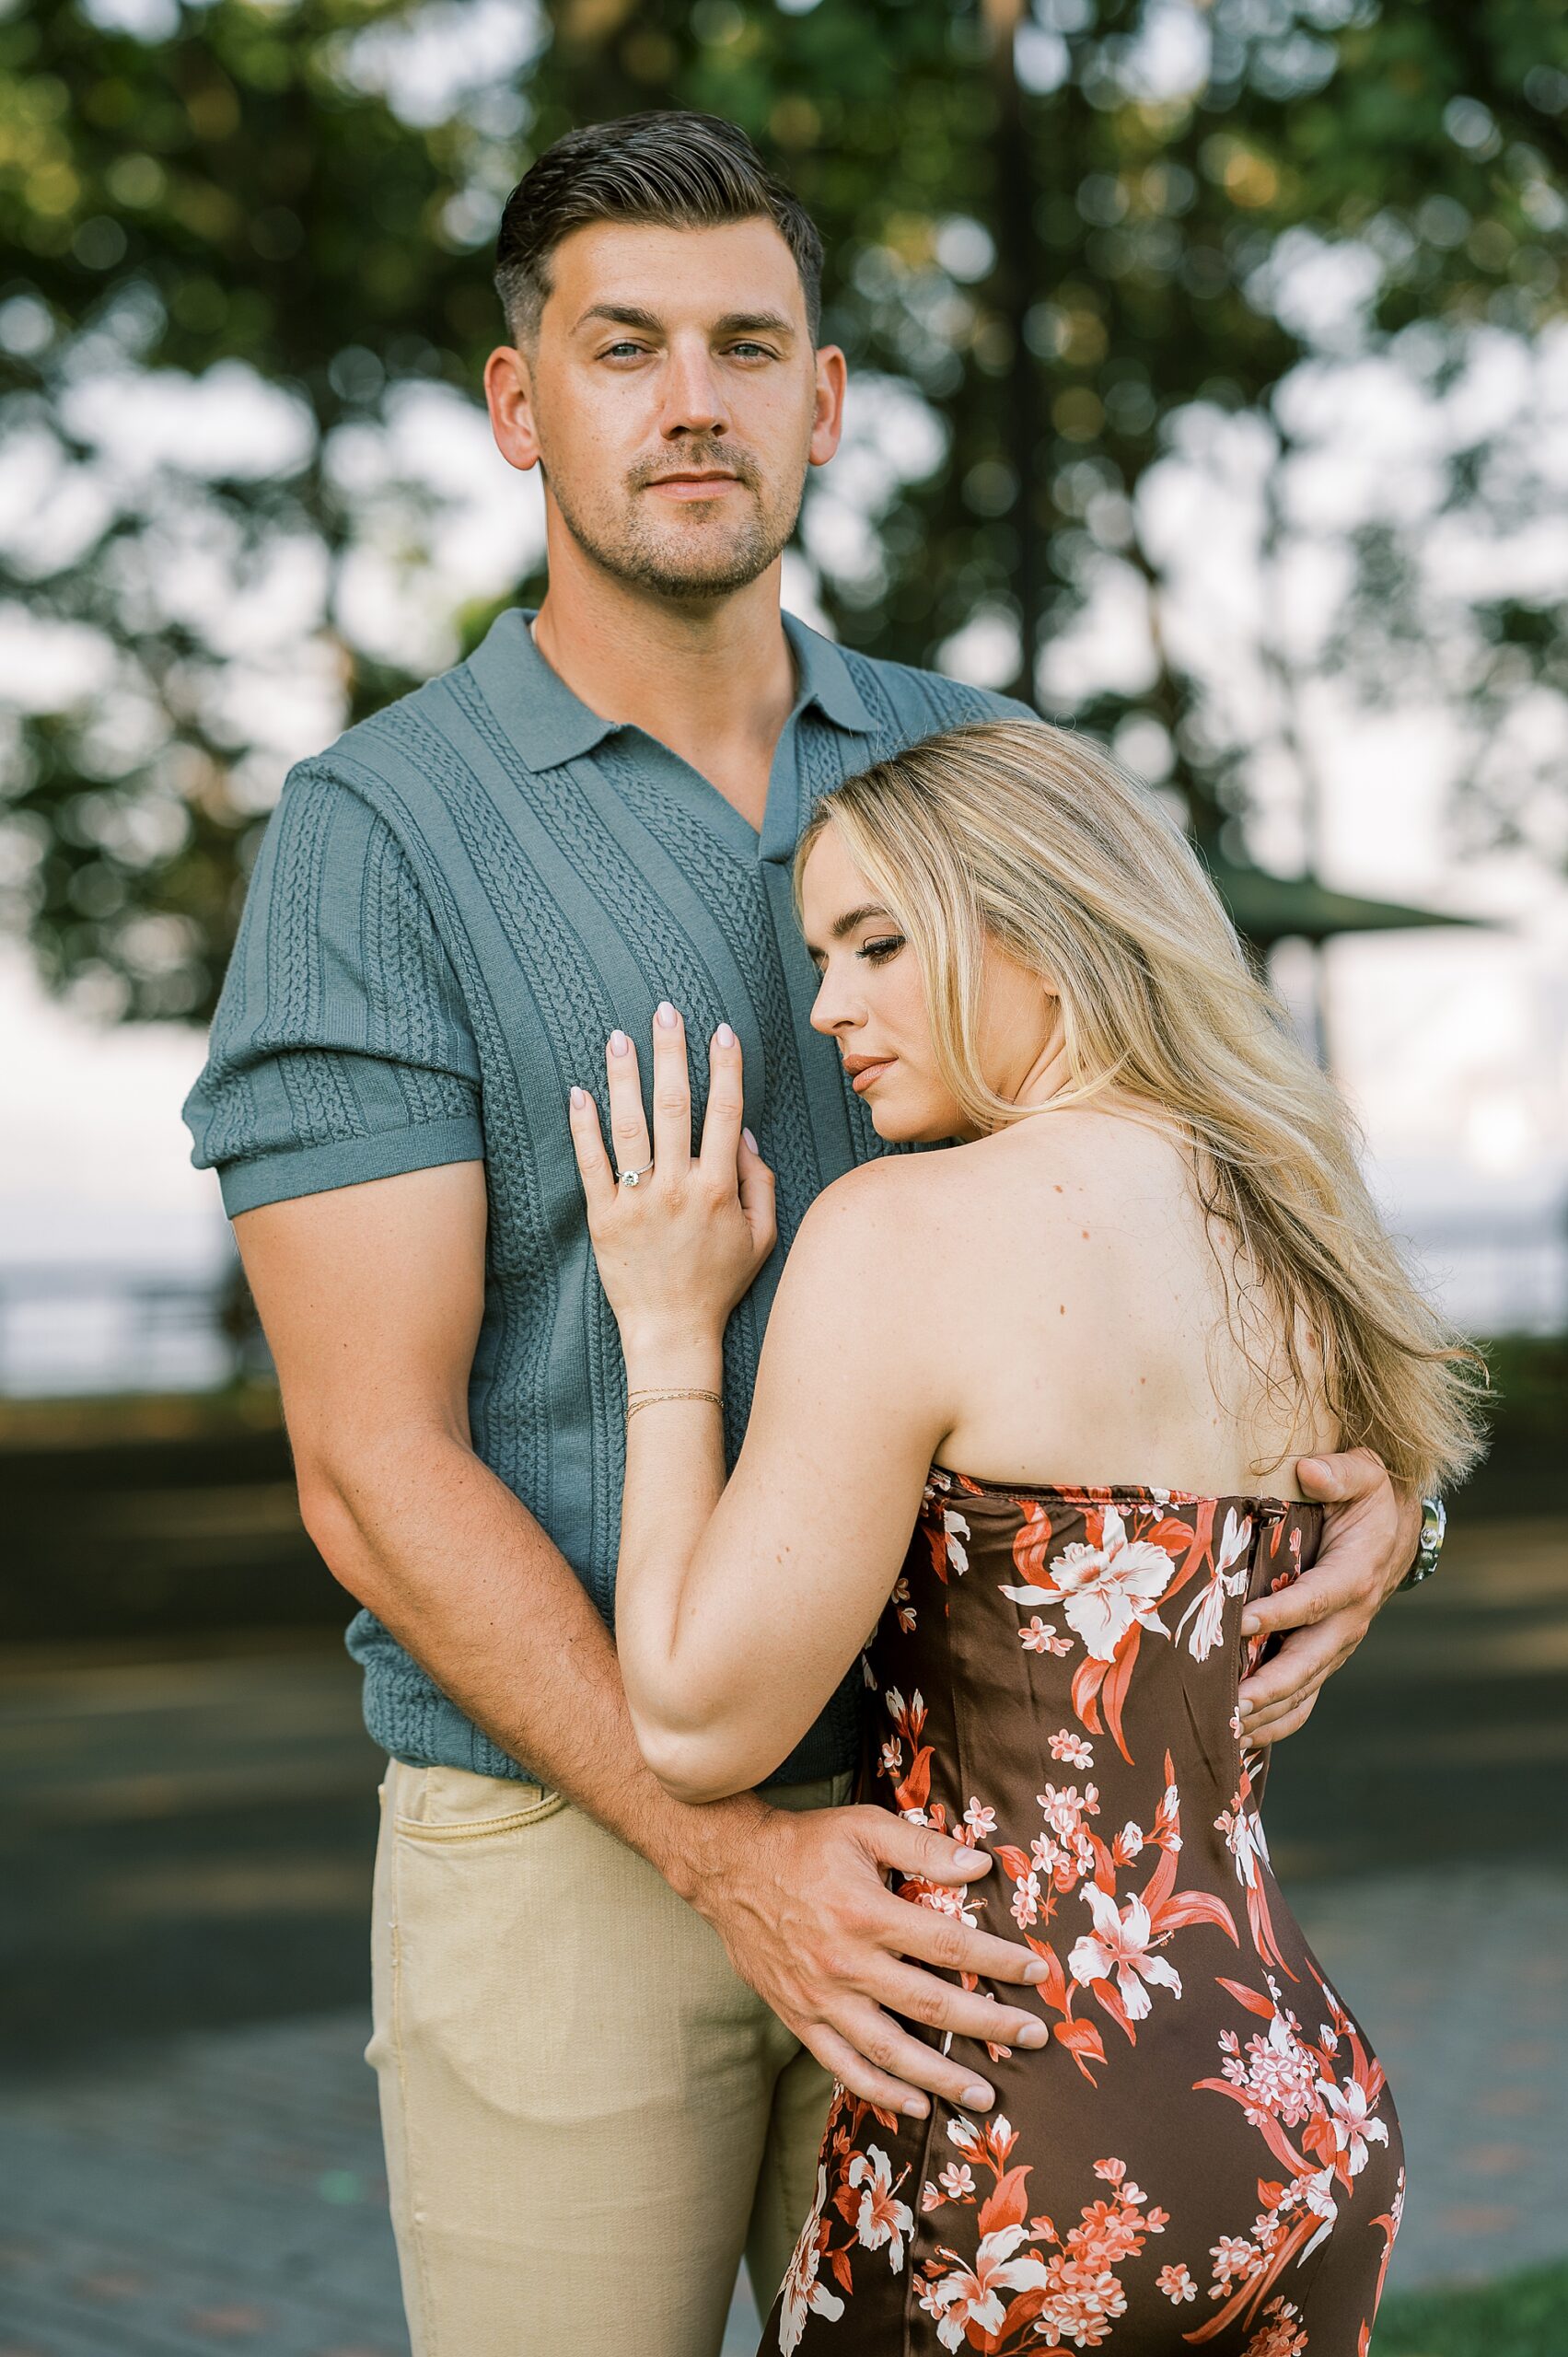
{"x": 1082, "y": 1321}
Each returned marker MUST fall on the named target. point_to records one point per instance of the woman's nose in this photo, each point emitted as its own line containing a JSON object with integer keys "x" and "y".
{"x": 829, "y": 1014}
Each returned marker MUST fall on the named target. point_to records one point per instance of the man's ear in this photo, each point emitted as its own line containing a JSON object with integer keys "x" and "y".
{"x": 828, "y": 418}
{"x": 508, "y": 392}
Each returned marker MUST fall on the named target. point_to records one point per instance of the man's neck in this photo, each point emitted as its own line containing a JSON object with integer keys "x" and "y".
{"x": 714, "y": 682}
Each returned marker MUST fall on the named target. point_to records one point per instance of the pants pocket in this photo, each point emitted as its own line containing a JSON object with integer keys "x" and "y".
{"x": 449, "y": 1804}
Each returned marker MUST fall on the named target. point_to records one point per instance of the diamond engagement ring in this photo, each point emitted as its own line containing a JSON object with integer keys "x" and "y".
{"x": 630, "y": 1177}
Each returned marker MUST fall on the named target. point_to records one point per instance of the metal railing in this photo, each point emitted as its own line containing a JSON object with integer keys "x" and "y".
{"x": 79, "y": 1328}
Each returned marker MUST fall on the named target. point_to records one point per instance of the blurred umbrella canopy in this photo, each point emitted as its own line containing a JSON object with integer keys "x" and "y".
{"x": 1055, "y": 239}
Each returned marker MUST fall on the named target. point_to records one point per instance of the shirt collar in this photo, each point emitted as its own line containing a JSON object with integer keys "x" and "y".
{"x": 550, "y": 725}
{"x": 826, "y": 678}
{"x": 547, "y": 723}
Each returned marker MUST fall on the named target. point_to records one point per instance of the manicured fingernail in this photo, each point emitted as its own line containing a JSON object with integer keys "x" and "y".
{"x": 1251, "y": 1624}
{"x": 979, "y": 2095}
{"x": 579, "y": 1098}
{"x": 1032, "y": 2034}
{"x": 973, "y": 1862}
{"x": 1036, "y": 1971}
{"x": 724, "y": 1037}
{"x": 1246, "y": 1707}
{"x": 915, "y": 2108}
{"x": 665, "y": 1015}
{"x": 750, "y": 1140}
{"x": 618, "y": 1043}
{"x": 1313, "y": 1468}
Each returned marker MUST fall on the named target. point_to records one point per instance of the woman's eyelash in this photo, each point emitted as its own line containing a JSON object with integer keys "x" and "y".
{"x": 878, "y": 952}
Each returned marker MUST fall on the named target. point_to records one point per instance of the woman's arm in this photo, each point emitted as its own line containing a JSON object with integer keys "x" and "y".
{"x": 738, "y": 1609}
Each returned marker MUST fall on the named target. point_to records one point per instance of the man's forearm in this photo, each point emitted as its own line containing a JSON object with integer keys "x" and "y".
{"x": 464, "y": 1577}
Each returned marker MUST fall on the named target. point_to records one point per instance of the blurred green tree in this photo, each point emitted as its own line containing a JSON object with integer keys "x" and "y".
{"x": 1071, "y": 252}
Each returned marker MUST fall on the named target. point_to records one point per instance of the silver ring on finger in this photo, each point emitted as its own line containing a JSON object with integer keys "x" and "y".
{"x": 630, "y": 1178}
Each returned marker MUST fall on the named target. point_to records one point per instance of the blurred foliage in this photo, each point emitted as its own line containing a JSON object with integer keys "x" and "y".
{"x": 1525, "y": 2316}
{"x": 1050, "y": 245}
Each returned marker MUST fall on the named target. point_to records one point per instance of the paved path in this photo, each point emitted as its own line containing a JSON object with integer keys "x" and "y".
{"x": 223, "y": 2192}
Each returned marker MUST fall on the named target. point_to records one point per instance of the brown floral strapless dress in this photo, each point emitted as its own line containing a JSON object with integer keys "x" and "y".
{"x": 1204, "y": 2155}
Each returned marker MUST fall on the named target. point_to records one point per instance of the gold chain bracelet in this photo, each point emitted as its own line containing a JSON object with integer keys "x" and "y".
{"x": 647, "y": 1398}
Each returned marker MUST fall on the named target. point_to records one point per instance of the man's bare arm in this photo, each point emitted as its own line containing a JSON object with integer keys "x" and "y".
{"x": 371, "y": 1297}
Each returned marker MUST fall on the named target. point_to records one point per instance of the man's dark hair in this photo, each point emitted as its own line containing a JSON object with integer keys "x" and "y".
{"x": 680, "y": 170}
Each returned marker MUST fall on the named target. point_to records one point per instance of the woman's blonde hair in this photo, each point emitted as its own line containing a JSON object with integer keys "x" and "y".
{"x": 1029, "y": 836}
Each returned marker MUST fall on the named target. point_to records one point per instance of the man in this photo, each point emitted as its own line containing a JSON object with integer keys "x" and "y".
{"x": 604, "y": 2023}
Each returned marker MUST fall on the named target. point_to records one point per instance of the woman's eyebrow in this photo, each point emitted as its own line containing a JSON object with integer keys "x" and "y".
{"x": 852, "y": 917}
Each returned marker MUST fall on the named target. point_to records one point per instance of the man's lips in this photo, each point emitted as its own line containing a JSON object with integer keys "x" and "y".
{"x": 705, "y": 486}
{"x": 863, "y": 1070}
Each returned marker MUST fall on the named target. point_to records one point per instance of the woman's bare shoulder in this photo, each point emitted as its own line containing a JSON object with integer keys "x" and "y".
{"x": 1036, "y": 1176}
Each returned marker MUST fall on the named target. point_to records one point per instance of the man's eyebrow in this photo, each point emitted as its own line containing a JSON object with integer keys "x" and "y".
{"x": 753, "y": 323}
{"x": 632, "y": 315}
{"x": 625, "y": 314}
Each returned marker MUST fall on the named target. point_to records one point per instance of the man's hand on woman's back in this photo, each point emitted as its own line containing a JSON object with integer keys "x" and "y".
{"x": 803, "y": 1907}
{"x": 1369, "y": 1540}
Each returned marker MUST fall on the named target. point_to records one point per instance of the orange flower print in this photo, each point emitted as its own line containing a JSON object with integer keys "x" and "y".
{"x": 1281, "y": 2335}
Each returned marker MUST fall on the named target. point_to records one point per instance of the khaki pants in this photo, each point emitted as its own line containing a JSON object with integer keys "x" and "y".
{"x": 589, "y": 2115}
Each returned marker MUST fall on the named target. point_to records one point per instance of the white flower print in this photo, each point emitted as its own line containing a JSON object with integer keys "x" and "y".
{"x": 957, "y": 1530}
{"x": 1103, "y": 1590}
{"x": 1233, "y": 2258}
{"x": 1355, "y": 2123}
{"x": 1025, "y": 1904}
{"x": 1065, "y": 1809}
{"x": 1118, "y": 1945}
{"x": 803, "y": 2295}
{"x": 1176, "y": 2284}
{"x": 1038, "y": 1636}
{"x": 882, "y": 2221}
{"x": 1278, "y": 2073}
{"x": 1206, "y": 1612}
{"x": 980, "y": 1819}
{"x": 971, "y": 2296}
{"x": 957, "y": 2180}
{"x": 1066, "y": 1745}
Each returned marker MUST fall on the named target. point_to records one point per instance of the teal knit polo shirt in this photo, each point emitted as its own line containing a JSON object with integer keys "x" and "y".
{"x": 451, "y": 910}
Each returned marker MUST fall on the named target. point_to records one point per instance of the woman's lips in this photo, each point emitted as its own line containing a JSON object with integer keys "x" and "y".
{"x": 863, "y": 1079}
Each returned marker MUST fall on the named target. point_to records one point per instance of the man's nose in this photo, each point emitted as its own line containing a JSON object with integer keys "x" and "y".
{"x": 693, "y": 401}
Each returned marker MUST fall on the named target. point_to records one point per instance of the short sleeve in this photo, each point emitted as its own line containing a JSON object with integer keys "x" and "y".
{"x": 341, "y": 1049}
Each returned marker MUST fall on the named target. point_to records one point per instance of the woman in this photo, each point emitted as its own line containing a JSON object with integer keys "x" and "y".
{"x": 1150, "y": 1254}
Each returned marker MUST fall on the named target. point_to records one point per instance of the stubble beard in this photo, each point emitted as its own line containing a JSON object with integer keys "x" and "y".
{"x": 633, "y": 548}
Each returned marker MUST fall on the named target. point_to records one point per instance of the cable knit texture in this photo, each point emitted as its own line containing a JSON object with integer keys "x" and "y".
{"x": 452, "y": 908}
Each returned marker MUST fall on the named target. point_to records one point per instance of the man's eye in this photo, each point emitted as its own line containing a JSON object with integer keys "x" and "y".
{"x": 746, "y": 351}
{"x": 621, "y": 351}
{"x": 878, "y": 952}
